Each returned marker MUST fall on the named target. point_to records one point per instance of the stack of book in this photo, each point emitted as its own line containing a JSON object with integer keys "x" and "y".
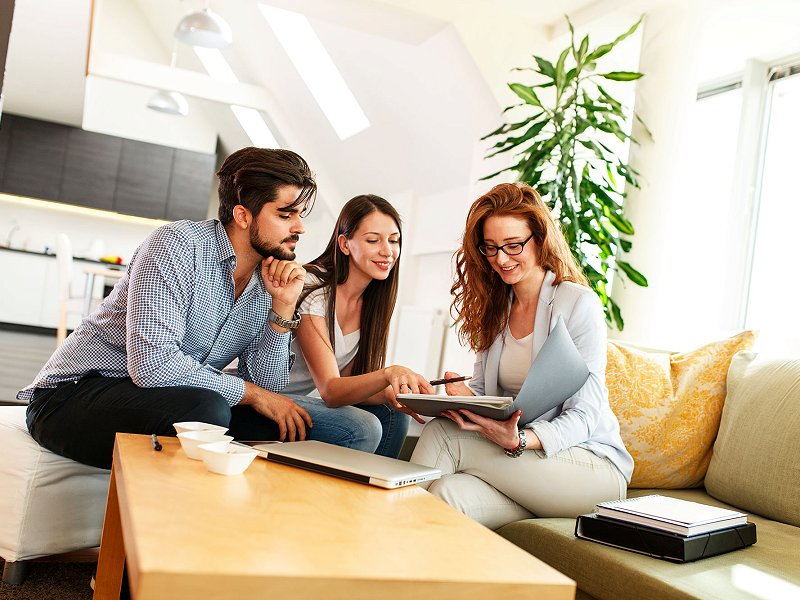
{"x": 668, "y": 528}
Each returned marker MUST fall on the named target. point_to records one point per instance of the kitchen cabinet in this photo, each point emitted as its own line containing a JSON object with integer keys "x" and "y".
{"x": 90, "y": 169}
{"x": 145, "y": 171}
{"x": 22, "y": 300}
{"x": 4, "y": 137}
{"x": 31, "y": 298}
{"x": 35, "y": 158}
{"x": 70, "y": 165}
{"x": 191, "y": 180}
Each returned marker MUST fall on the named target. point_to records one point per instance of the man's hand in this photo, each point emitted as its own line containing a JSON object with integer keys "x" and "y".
{"x": 291, "y": 418}
{"x": 283, "y": 280}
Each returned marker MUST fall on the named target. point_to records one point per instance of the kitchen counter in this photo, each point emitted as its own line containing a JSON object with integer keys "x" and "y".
{"x": 53, "y": 254}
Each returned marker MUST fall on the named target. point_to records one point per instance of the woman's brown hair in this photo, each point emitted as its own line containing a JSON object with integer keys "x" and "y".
{"x": 479, "y": 294}
{"x": 332, "y": 267}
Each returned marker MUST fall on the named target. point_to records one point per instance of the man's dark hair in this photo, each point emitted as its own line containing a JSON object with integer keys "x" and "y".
{"x": 252, "y": 176}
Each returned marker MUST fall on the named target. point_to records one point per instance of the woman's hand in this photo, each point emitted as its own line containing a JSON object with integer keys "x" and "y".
{"x": 459, "y": 388}
{"x": 503, "y": 433}
{"x": 388, "y": 393}
{"x": 405, "y": 381}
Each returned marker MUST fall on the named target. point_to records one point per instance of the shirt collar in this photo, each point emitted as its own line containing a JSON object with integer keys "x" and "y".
{"x": 224, "y": 246}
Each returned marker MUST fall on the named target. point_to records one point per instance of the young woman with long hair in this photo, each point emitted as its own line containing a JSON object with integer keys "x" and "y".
{"x": 345, "y": 309}
{"x": 515, "y": 276}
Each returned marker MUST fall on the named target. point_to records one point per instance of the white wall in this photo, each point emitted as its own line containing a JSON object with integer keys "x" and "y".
{"x": 36, "y": 225}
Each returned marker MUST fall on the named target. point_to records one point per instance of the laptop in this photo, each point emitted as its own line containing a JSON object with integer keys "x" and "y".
{"x": 347, "y": 463}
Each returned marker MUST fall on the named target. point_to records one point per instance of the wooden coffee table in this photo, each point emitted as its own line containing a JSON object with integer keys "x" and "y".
{"x": 281, "y": 532}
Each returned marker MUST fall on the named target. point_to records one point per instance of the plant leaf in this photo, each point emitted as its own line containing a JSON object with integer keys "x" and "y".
{"x": 616, "y": 314}
{"x": 508, "y": 127}
{"x": 632, "y": 273}
{"x": 622, "y": 75}
{"x": 559, "y": 75}
{"x": 546, "y": 68}
{"x": 513, "y": 142}
{"x": 526, "y": 93}
{"x": 582, "y": 50}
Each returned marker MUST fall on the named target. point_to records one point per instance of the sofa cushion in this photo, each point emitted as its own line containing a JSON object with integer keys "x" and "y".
{"x": 768, "y": 569}
{"x": 48, "y": 504}
{"x": 756, "y": 463}
{"x": 669, "y": 408}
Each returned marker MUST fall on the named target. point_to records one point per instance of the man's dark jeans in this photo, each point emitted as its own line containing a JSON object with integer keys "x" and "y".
{"x": 79, "y": 420}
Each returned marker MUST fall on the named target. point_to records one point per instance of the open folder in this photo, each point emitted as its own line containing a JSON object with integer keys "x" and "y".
{"x": 557, "y": 373}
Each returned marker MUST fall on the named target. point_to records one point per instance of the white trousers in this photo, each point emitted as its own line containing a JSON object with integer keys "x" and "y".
{"x": 479, "y": 480}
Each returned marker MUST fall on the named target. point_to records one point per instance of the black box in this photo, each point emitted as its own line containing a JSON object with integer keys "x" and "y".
{"x": 663, "y": 544}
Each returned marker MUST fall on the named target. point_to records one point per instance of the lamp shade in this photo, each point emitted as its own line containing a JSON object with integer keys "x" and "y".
{"x": 204, "y": 28}
{"x": 171, "y": 103}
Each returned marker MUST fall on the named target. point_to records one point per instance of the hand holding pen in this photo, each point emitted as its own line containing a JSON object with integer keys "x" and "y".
{"x": 454, "y": 384}
{"x": 449, "y": 380}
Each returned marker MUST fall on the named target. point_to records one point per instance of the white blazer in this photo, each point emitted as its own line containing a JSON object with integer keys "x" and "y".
{"x": 584, "y": 420}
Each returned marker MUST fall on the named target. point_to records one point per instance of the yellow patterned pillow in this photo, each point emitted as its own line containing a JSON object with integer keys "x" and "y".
{"x": 669, "y": 408}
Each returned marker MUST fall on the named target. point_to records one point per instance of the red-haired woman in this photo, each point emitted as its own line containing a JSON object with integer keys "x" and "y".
{"x": 515, "y": 277}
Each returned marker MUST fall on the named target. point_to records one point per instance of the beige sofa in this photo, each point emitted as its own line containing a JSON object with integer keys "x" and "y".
{"x": 755, "y": 468}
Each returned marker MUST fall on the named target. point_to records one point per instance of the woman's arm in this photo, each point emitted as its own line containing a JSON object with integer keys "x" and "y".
{"x": 312, "y": 334}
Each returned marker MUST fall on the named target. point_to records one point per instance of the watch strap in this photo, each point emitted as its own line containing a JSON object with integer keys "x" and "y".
{"x": 286, "y": 323}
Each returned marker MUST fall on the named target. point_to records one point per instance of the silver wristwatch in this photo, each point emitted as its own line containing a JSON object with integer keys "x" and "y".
{"x": 281, "y": 322}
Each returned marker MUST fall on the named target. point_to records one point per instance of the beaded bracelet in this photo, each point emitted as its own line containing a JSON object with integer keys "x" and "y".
{"x": 517, "y": 452}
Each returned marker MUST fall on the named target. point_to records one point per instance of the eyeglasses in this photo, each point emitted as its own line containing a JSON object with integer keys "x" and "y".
{"x": 510, "y": 249}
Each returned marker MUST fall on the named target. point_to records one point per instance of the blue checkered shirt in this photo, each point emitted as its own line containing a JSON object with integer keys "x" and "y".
{"x": 172, "y": 320}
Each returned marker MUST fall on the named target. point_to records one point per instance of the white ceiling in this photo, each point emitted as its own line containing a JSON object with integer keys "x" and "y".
{"x": 430, "y": 75}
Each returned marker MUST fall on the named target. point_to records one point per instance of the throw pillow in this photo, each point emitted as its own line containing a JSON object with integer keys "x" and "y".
{"x": 756, "y": 462}
{"x": 669, "y": 408}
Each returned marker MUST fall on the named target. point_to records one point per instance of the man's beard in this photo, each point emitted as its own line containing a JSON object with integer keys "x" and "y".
{"x": 265, "y": 249}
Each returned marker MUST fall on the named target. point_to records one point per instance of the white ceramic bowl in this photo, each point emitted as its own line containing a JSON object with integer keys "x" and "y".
{"x": 226, "y": 458}
{"x": 197, "y": 426}
{"x": 190, "y": 440}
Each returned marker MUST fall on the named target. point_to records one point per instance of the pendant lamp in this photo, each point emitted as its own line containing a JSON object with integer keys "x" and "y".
{"x": 204, "y": 28}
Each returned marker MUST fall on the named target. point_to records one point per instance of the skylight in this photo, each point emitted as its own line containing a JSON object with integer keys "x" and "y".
{"x": 254, "y": 126}
{"x": 317, "y": 69}
{"x": 215, "y": 64}
{"x": 249, "y": 118}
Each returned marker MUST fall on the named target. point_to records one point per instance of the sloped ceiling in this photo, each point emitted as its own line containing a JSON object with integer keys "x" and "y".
{"x": 418, "y": 83}
{"x": 429, "y": 75}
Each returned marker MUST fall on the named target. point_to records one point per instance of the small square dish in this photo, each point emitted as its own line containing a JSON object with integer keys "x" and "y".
{"x": 190, "y": 440}
{"x": 197, "y": 426}
{"x": 226, "y": 458}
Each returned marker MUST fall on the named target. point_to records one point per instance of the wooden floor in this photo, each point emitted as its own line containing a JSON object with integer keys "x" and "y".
{"x": 21, "y": 357}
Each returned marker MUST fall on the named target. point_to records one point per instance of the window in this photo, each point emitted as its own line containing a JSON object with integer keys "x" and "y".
{"x": 774, "y": 288}
{"x": 707, "y": 183}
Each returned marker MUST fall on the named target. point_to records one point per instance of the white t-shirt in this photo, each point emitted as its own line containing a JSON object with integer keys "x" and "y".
{"x": 515, "y": 362}
{"x": 346, "y": 346}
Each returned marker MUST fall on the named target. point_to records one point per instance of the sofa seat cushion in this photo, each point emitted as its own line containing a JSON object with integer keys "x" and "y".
{"x": 48, "y": 504}
{"x": 612, "y": 574}
{"x": 756, "y": 462}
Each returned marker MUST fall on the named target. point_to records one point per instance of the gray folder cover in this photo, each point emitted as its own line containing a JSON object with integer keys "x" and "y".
{"x": 557, "y": 373}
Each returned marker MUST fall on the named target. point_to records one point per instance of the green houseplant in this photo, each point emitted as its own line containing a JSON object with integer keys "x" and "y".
{"x": 559, "y": 151}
